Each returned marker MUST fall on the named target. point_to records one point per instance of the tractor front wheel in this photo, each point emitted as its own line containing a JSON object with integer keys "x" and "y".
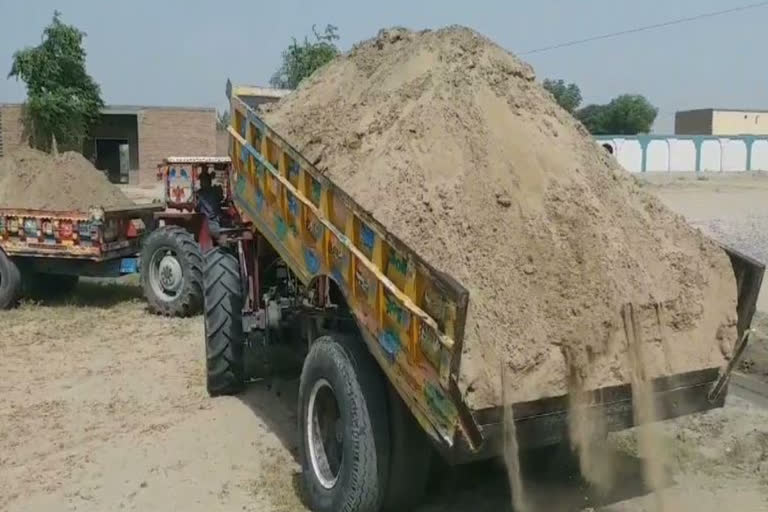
{"x": 172, "y": 272}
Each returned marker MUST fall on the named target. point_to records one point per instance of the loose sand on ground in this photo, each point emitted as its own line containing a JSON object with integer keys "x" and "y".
{"x": 451, "y": 144}
{"x": 36, "y": 180}
{"x": 104, "y": 408}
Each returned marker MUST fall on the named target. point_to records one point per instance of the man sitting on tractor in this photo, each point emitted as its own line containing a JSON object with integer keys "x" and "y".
{"x": 209, "y": 200}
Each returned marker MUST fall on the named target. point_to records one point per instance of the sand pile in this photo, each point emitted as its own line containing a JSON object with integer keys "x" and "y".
{"x": 37, "y": 180}
{"x": 448, "y": 140}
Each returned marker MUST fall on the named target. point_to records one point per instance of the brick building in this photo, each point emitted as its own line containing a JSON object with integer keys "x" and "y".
{"x": 143, "y": 135}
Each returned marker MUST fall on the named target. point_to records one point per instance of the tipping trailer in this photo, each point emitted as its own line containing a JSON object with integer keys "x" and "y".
{"x": 379, "y": 332}
{"x": 46, "y": 251}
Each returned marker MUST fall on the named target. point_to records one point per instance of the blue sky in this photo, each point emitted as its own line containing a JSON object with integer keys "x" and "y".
{"x": 174, "y": 52}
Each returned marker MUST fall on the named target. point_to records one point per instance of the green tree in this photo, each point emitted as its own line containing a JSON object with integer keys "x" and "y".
{"x": 628, "y": 114}
{"x": 63, "y": 101}
{"x": 301, "y": 60}
{"x": 567, "y": 96}
{"x": 591, "y": 117}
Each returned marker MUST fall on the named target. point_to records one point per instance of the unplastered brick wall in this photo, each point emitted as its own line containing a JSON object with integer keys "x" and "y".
{"x": 167, "y": 132}
{"x": 11, "y": 127}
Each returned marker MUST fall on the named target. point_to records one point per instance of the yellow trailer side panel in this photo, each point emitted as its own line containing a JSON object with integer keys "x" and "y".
{"x": 411, "y": 315}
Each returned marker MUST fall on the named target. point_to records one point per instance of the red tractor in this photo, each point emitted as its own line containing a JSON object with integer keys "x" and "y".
{"x": 172, "y": 255}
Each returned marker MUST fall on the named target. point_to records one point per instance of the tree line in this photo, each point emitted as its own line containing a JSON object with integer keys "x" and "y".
{"x": 64, "y": 102}
{"x": 626, "y": 114}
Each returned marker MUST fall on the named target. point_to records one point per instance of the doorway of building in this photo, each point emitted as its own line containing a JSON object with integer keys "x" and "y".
{"x": 108, "y": 157}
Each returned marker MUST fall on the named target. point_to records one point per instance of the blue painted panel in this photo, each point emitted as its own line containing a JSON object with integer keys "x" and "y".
{"x": 367, "y": 237}
{"x": 129, "y": 266}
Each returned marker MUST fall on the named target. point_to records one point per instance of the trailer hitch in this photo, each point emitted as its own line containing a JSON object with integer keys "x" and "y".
{"x": 722, "y": 381}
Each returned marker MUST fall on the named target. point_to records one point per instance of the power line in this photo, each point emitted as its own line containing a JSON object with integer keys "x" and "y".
{"x": 647, "y": 27}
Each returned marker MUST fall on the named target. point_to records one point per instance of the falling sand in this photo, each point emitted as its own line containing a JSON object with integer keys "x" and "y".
{"x": 511, "y": 449}
{"x": 586, "y": 429}
{"x": 650, "y": 447}
{"x": 588, "y": 425}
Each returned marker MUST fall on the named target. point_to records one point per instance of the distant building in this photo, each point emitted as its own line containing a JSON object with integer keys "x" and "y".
{"x": 144, "y": 134}
{"x": 255, "y": 95}
{"x": 699, "y": 153}
{"x": 714, "y": 121}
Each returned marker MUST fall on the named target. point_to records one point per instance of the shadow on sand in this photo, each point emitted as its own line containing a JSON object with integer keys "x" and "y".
{"x": 551, "y": 477}
{"x": 551, "y": 480}
{"x": 95, "y": 293}
{"x": 275, "y": 401}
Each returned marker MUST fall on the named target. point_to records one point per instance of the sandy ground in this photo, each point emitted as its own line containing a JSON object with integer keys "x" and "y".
{"x": 104, "y": 408}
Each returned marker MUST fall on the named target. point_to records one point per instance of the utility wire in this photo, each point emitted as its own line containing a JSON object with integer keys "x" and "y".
{"x": 647, "y": 27}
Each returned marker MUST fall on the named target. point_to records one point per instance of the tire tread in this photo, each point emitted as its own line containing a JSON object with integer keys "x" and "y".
{"x": 222, "y": 305}
{"x": 192, "y": 262}
{"x": 366, "y": 393}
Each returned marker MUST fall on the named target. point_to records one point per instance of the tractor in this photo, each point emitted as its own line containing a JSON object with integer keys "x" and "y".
{"x": 172, "y": 254}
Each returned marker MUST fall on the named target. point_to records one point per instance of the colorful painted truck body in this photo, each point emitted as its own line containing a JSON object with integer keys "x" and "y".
{"x": 411, "y": 315}
{"x": 54, "y": 248}
{"x": 46, "y": 251}
{"x": 408, "y": 316}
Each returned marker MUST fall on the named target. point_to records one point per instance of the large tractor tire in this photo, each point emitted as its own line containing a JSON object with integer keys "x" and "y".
{"x": 10, "y": 282}
{"x": 224, "y": 338}
{"x": 344, "y": 442}
{"x": 172, "y": 272}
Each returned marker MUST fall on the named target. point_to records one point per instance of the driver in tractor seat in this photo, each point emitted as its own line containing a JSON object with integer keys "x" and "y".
{"x": 209, "y": 200}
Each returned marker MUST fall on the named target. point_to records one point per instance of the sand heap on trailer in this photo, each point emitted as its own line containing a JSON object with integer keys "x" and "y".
{"x": 450, "y": 143}
{"x": 37, "y": 180}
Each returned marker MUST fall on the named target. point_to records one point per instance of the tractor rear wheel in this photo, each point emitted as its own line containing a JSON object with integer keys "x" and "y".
{"x": 224, "y": 338}
{"x": 172, "y": 272}
{"x": 10, "y": 282}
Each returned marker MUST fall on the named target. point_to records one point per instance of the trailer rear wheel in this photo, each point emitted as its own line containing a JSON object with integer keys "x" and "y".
{"x": 172, "y": 272}
{"x": 10, "y": 282}
{"x": 223, "y": 304}
{"x": 344, "y": 432}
